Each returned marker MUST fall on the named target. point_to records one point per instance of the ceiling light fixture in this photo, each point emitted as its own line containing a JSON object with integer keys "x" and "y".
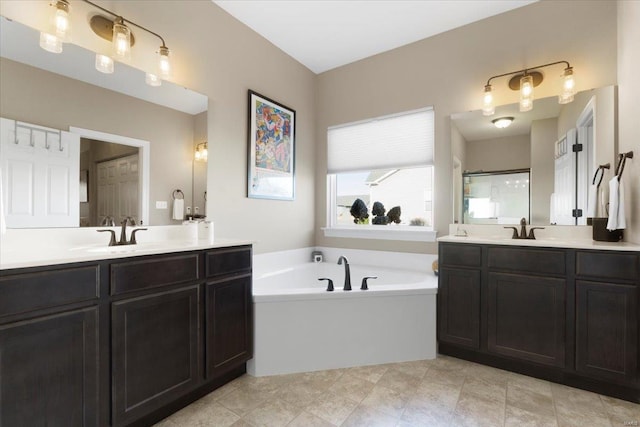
{"x": 502, "y": 122}
{"x": 525, "y": 80}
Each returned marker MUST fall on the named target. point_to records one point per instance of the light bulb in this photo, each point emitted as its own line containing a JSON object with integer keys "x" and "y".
{"x": 568, "y": 86}
{"x": 164, "y": 65}
{"x": 526, "y": 93}
{"x": 487, "y": 102}
{"x": 121, "y": 40}
{"x": 61, "y": 24}
{"x": 50, "y": 43}
{"x": 205, "y": 153}
{"x": 198, "y": 156}
{"x": 104, "y": 64}
{"x": 152, "y": 80}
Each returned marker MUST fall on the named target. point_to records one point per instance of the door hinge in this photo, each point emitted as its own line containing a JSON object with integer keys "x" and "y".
{"x": 577, "y": 148}
{"x": 576, "y": 213}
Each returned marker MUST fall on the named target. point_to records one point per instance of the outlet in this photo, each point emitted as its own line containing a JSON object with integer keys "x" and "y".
{"x": 161, "y": 204}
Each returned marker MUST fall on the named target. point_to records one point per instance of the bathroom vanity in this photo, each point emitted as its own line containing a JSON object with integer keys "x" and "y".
{"x": 122, "y": 341}
{"x": 564, "y": 313}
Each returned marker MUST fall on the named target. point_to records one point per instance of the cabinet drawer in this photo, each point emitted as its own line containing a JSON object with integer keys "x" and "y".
{"x": 462, "y": 254}
{"x": 607, "y": 265}
{"x": 150, "y": 273}
{"x": 228, "y": 261}
{"x": 22, "y": 293}
{"x": 540, "y": 261}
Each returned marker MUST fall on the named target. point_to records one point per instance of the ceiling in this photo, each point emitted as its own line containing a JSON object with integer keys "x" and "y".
{"x": 325, "y": 34}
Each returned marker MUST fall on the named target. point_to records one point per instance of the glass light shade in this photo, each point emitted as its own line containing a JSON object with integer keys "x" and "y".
{"x": 568, "y": 86}
{"x": 152, "y": 80}
{"x": 526, "y": 93}
{"x": 61, "y": 25}
{"x": 487, "y": 102}
{"x": 104, "y": 64}
{"x": 50, "y": 43}
{"x": 164, "y": 65}
{"x": 121, "y": 41}
{"x": 202, "y": 153}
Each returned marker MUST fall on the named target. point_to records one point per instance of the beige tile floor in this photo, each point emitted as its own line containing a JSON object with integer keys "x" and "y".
{"x": 441, "y": 392}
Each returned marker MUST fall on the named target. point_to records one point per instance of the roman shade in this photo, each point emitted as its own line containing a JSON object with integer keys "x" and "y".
{"x": 388, "y": 142}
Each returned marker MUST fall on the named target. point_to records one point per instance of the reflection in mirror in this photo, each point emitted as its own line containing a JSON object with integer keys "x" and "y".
{"x": 64, "y": 91}
{"x": 500, "y": 197}
{"x": 559, "y": 179}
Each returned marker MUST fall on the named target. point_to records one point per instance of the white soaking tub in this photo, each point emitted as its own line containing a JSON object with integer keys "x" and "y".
{"x": 301, "y": 327}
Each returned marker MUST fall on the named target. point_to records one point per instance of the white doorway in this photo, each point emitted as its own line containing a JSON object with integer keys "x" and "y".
{"x": 585, "y": 126}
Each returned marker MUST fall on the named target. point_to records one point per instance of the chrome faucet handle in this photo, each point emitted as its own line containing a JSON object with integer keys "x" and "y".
{"x": 133, "y": 235}
{"x": 112, "y": 241}
{"x": 532, "y": 236}
{"x": 329, "y": 285}
{"x": 515, "y": 232}
{"x": 364, "y": 286}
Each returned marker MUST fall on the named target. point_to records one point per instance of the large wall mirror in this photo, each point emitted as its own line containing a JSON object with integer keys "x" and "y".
{"x": 541, "y": 141}
{"x": 135, "y": 143}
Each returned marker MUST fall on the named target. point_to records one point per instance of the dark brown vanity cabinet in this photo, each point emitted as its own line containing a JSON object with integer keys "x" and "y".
{"x": 565, "y": 315}
{"x": 607, "y": 316}
{"x": 122, "y": 342}
{"x": 49, "y": 348}
{"x": 229, "y": 311}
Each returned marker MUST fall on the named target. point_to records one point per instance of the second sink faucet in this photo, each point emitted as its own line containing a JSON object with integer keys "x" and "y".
{"x": 347, "y": 273}
{"x": 123, "y": 233}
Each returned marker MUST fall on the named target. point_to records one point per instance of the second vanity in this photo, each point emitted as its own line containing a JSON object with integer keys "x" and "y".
{"x": 553, "y": 309}
{"x": 125, "y": 338}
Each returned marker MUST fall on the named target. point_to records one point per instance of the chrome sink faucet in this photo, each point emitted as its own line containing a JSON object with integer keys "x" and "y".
{"x": 523, "y": 231}
{"x": 123, "y": 233}
{"x": 347, "y": 273}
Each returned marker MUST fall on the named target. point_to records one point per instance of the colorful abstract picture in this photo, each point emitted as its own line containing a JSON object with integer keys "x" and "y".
{"x": 271, "y": 149}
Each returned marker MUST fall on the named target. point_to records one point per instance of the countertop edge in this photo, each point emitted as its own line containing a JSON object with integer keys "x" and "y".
{"x": 577, "y": 244}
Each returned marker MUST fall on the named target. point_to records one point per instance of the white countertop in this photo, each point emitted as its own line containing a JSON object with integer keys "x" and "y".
{"x": 547, "y": 242}
{"x": 41, "y": 247}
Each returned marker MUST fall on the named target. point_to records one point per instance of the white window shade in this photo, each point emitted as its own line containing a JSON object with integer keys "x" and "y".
{"x": 398, "y": 141}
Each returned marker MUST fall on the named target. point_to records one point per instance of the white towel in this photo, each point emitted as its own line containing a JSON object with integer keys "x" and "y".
{"x": 592, "y": 201}
{"x": 178, "y": 209}
{"x": 616, "y": 205}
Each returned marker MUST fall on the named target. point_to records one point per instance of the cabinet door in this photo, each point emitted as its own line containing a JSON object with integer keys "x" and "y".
{"x": 606, "y": 330}
{"x": 526, "y": 317}
{"x": 155, "y": 351}
{"x": 229, "y": 324}
{"x": 459, "y": 307}
{"x": 49, "y": 371}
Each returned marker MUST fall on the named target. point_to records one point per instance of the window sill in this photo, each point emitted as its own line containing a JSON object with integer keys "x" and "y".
{"x": 382, "y": 233}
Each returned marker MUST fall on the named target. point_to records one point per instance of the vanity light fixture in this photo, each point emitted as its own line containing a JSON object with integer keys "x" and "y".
{"x": 502, "y": 122}
{"x": 524, "y": 81}
{"x": 202, "y": 152}
{"x": 116, "y": 31}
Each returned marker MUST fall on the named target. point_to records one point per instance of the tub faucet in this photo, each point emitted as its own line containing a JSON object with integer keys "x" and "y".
{"x": 347, "y": 273}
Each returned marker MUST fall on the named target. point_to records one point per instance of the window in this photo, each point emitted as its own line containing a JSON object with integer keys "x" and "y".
{"x": 388, "y": 160}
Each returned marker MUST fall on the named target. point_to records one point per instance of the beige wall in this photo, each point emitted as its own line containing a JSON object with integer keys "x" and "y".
{"x": 509, "y": 152}
{"x": 543, "y": 139}
{"x": 449, "y": 70}
{"x": 629, "y": 109}
{"x": 32, "y": 95}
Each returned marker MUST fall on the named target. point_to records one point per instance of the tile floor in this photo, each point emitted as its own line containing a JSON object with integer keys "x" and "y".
{"x": 441, "y": 392}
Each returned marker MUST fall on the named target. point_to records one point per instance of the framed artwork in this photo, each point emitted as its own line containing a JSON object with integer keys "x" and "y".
{"x": 271, "y": 154}
{"x": 84, "y": 182}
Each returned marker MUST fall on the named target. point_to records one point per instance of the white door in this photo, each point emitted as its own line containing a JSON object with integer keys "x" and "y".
{"x": 40, "y": 175}
{"x": 117, "y": 183}
{"x": 564, "y": 191}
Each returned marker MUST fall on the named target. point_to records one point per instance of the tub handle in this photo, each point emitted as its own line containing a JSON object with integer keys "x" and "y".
{"x": 364, "y": 286}
{"x": 329, "y": 285}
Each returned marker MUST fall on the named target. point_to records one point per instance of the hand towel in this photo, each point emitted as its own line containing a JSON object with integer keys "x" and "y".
{"x": 178, "y": 209}
{"x": 616, "y": 205}
{"x": 592, "y": 202}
